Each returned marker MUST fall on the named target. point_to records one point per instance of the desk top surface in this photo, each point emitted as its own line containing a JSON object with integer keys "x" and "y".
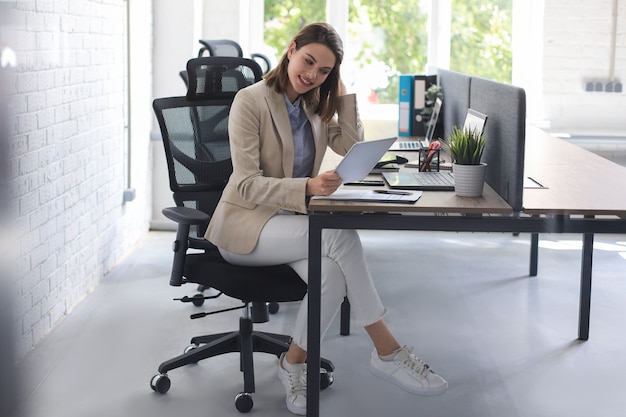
{"x": 429, "y": 202}
{"x": 576, "y": 181}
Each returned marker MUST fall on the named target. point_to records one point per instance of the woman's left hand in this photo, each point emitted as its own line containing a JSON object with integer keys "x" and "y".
{"x": 325, "y": 183}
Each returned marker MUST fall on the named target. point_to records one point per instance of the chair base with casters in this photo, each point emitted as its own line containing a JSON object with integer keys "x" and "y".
{"x": 256, "y": 287}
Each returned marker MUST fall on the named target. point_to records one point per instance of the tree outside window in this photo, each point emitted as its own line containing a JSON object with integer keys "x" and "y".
{"x": 481, "y": 37}
{"x": 388, "y": 38}
{"x": 283, "y": 19}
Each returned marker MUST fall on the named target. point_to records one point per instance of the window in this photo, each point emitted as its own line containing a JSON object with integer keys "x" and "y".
{"x": 386, "y": 39}
{"x": 380, "y": 44}
{"x": 283, "y": 19}
{"x": 384, "y": 42}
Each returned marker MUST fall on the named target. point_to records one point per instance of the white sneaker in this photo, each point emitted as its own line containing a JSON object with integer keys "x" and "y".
{"x": 295, "y": 385}
{"x": 408, "y": 372}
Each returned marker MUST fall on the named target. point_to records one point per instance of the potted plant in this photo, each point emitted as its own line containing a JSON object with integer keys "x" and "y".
{"x": 466, "y": 148}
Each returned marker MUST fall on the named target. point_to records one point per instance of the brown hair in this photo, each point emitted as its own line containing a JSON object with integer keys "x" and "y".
{"x": 325, "y": 97}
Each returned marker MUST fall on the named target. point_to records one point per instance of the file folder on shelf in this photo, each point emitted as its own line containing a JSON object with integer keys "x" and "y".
{"x": 411, "y": 102}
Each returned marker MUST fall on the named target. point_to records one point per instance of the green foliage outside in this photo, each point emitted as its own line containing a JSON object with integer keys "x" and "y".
{"x": 481, "y": 36}
{"x": 404, "y": 27}
{"x": 480, "y": 39}
{"x": 283, "y": 19}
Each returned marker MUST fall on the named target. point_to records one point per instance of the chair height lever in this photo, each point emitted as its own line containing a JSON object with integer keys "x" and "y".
{"x": 207, "y": 313}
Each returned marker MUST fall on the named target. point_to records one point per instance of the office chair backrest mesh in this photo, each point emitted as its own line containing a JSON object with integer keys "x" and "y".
{"x": 195, "y": 129}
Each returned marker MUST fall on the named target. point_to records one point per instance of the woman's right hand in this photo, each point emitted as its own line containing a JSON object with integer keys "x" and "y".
{"x": 325, "y": 183}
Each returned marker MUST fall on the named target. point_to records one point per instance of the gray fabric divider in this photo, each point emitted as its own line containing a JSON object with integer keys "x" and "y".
{"x": 456, "y": 98}
{"x": 505, "y": 107}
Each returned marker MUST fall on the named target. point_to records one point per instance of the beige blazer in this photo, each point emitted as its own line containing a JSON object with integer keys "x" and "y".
{"x": 262, "y": 151}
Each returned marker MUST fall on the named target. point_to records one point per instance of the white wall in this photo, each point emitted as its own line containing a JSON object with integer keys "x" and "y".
{"x": 69, "y": 158}
{"x": 559, "y": 45}
{"x": 576, "y": 44}
{"x": 528, "y": 23}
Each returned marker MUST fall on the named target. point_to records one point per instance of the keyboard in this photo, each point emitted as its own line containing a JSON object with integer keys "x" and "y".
{"x": 432, "y": 178}
{"x": 409, "y": 145}
{"x": 405, "y": 180}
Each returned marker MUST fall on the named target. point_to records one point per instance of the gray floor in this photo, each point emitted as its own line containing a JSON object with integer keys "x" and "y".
{"x": 505, "y": 342}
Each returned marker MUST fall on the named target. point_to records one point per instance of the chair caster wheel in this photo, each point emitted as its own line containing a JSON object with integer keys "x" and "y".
{"x": 243, "y": 402}
{"x": 160, "y": 383}
{"x": 273, "y": 308}
{"x": 197, "y": 300}
{"x": 326, "y": 379}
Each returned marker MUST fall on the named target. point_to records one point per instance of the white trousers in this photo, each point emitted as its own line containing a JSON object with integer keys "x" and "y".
{"x": 284, "y": 240}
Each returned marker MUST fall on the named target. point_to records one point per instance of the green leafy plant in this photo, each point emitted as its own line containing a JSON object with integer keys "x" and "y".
{"x": 430, "y": 96}
{"x": 466, "y": 146}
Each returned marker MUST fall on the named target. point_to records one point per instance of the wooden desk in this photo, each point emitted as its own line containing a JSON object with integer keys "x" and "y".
{"x": 573, "y": 199}
{"x": 577, "y": 181}
{"x": 429, "y": 202}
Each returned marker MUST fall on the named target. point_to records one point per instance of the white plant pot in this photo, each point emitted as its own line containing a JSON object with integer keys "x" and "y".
{"x": 469, "y": 180}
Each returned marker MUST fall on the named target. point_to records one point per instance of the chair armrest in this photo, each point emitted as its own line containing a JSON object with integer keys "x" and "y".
{"x": 186, "y": 215}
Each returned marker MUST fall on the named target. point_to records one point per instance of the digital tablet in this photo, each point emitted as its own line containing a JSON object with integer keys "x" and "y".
{"x": 361, "y": 158}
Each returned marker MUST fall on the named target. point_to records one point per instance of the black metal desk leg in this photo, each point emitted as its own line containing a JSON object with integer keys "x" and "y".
{"x": 313, "y": 330}
{"x": 534, "y": 254}
{"x": 344, "y": 329}
{"x": 585, "y": 287}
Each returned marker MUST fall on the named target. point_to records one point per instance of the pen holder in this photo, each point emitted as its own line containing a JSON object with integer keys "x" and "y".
{"x": 429, "y": 159}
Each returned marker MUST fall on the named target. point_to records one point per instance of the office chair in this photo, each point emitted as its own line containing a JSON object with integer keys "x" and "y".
{"x": 195, "y": 137}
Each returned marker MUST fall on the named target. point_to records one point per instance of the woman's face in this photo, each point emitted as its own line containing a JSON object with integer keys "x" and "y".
{"x": 308, "y": 68}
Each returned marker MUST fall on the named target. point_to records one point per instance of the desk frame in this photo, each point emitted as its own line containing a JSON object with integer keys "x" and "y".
{"x": 587, "y": 225}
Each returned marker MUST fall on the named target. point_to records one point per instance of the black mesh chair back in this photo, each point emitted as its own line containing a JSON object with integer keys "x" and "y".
{"x": 195, "y": 130}
{"x": 220, "y": 76}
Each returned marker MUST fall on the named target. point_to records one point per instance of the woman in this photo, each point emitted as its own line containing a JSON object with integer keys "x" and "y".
{"x": 279, "y": 130}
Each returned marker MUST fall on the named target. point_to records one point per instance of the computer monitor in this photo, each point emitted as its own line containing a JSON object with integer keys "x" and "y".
{"x": 475, "y": 120}
{"x": 432, "y": 124}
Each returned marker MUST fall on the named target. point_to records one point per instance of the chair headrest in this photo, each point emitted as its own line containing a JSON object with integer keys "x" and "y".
{"x": 220, "y": 76}
{"x": 220, "y": 47}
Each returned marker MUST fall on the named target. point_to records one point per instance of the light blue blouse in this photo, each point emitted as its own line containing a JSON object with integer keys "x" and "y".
{"x": 303, "y": 142}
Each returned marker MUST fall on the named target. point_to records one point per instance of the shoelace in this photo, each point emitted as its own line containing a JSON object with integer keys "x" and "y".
{"x": 415, "y": 364}
{"x": 297, "y": 381}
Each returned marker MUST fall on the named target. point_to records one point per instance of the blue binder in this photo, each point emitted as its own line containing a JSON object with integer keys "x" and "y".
{"x": 405, "y": 105}
{"x": 411, "y": 102}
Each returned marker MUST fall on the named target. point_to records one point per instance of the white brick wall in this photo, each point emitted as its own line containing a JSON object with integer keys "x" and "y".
{"x": 68, "y": 158}
{"x": 576, "y": 42}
